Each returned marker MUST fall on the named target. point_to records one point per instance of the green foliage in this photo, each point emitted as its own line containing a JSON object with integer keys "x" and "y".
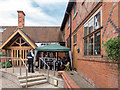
{"x": 3, "y": 65}
{"x": 3, "y": 54}
{"x": 112, "y": 48}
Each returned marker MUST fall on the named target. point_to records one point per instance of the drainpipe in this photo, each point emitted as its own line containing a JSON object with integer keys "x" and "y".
{"x": 70, "y": 32}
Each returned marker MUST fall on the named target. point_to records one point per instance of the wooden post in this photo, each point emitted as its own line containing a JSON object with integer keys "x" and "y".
{"x": 12, "y": 55}
{"x": 17, "y": 57}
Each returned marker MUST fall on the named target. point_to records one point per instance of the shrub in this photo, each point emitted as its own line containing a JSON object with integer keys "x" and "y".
{"x": 112, "y": 48}
{"x": 3, "y": 54}
{"x": 7, "y": 64}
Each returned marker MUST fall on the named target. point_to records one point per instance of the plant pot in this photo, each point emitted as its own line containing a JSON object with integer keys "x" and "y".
{"x": 2, "y": 59}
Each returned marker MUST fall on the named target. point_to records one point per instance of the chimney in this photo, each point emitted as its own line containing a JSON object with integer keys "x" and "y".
{"x": 21, "y": 19}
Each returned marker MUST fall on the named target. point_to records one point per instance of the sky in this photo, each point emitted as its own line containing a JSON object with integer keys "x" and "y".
{"x": 38, "y": 12}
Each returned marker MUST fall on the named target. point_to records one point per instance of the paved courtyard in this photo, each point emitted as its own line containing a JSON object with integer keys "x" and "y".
{"x": 5, "y": 83}
{"x": 9, "y": 84}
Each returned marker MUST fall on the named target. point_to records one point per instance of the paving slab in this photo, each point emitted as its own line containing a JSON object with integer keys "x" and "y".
{"x": 8, "y": 84}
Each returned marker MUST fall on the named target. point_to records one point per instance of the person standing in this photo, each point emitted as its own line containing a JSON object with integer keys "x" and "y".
{"x": 30, "y": 57}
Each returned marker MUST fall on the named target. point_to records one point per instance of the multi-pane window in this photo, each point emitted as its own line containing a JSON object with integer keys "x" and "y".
{"x": 97, "y": 21}
{"x": 85, "y": 46}
{"x": 91, "y": 45}
{"x": 75, "y": 38}
{"x": 85, "y": 29}
{"x": 75, "y": 8}
{"x": 90, "y": 26}
{"x": 97, "y": 41}
{"x": 92, "y": 36}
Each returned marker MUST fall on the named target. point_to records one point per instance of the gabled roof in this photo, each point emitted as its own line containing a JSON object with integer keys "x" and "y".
{"x": 36, "y": 33}
{"x": 23, "y": 35}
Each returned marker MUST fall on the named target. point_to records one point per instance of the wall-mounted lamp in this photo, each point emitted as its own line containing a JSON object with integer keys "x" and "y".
{"x": 78, "y": 50}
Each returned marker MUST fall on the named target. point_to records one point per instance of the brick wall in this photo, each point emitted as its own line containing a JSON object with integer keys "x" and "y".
{"x": 95, "y": 69}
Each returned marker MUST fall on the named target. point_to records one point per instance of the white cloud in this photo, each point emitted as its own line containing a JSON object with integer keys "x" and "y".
{"x": 35, "y": 16}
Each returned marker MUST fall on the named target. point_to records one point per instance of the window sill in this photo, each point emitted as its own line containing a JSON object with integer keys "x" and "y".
{"x": 94, "y": 56}
{"x": 75, "y": 15}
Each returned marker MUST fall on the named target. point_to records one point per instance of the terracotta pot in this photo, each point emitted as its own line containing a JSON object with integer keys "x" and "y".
{"x": 3, "y": 59}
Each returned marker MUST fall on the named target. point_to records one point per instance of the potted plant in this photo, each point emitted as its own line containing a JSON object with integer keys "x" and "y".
{"x": 8, "y": 65}
{"x": 3, "y": 54}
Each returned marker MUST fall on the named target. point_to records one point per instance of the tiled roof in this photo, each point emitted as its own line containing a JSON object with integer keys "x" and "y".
{"x": 36, "y": 33}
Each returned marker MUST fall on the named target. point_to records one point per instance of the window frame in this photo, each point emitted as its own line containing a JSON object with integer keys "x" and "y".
{"x": 68, "y": 42}
{"x": 75, "y": 10}
{"x": 68, "y": 23}
{"x": 93, "y": 33}
{"x": 75, "y": 34}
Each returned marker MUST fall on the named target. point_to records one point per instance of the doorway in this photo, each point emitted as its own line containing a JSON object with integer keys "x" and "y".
{"x": 19, "y": 48}
{"x": 75, "y": 57}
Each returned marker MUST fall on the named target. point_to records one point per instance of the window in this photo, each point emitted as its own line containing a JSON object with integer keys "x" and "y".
{"x": 92, "y": 36}
{"x": 97, "y": 21}
{"x": 85, "y": 46}
{"x": 88, "y": 27}
{"x": 97, "y": 43}
{"x": 68, "y": 22}
{"x": 85, "y": 29}
{"x": 91, "y": 45}
{"x": 75, "y": 38}
{"x": 68, "y": 42}
{"x": 75, "y": 9}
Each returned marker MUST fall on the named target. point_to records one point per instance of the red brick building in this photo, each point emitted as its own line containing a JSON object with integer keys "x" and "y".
{"x": 92, "y": 23}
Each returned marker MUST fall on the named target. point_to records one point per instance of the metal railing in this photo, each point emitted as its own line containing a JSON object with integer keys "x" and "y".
{"x": 43, "y": 60}
{"x": 6, "y": 59}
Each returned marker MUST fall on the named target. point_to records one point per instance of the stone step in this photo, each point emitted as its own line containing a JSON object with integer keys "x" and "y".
{"x": 32, "y": 79}
{"x": 33, "y": 83}
{"x": 30, "y": 76}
